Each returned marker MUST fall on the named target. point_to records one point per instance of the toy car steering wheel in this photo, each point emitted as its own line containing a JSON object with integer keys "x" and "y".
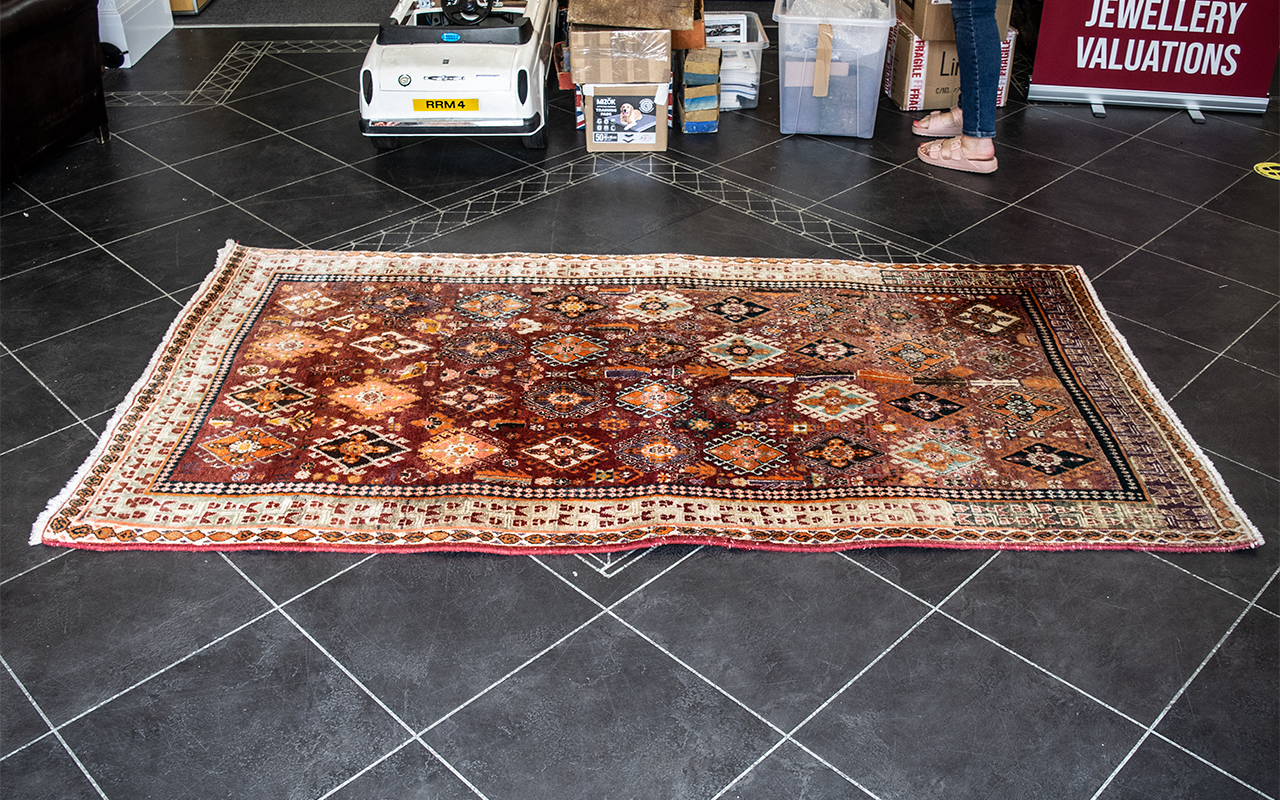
{"x": 466, "y": 12}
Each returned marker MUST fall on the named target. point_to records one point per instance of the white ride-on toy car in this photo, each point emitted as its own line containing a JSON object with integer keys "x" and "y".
{"x": 459, "y": 68}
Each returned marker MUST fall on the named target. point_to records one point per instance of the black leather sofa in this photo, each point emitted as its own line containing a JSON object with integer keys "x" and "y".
{"x": 50, "y": 80}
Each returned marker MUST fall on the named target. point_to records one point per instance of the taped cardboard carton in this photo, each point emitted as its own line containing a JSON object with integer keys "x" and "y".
{"x": 609, "y": 55}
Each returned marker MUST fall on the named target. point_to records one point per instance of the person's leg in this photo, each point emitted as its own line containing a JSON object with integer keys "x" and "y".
{"x": 978, "y": 54}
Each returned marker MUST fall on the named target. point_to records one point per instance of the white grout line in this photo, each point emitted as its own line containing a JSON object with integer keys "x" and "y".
{"x": 279, "y": 609}
{"x": 1150, "y": 730}
{"x": 63, "y": 552}
{"x": 79, "y": 420}
{"x": 186, "y": 657}
{"x": 53, "y": 730}
{"x": 1161, "y": 557}
{"x": 417, "y": 736}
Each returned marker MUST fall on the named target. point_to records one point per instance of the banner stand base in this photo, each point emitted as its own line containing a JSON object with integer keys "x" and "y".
{"x": 1098, "y": 99}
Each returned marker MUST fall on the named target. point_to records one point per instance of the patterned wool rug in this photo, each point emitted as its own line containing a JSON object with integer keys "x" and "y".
{"x": 530, "y": 404}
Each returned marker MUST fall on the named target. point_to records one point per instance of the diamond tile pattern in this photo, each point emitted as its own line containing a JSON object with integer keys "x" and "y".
{"x": 665, "y": 674}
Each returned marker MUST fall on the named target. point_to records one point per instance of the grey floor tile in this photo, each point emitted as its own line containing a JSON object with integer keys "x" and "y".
{"x": 428, "y": 632}
{"x": 84, "y": 627}
{"x": 188, "y": 726}
{"x": 45, "y": 770}
{"x": 410, "y": 772}
{"x": 604, "y": 710}
{"x": 780, "y": 634}
{"x": 947, "y": 714}
{"x": 1159, "y": 769}
{"x": 1228, "y": 715}
{"x": 1124, "y": 627}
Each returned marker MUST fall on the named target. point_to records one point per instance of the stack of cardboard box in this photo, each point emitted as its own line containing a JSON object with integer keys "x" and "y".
{"x": 921, "y": 68}
{"x": 619, "y": 57}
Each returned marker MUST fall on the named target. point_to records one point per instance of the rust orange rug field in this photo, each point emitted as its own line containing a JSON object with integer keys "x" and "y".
{"x": 523, "y": 404}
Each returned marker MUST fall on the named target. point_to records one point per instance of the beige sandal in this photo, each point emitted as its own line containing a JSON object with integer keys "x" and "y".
{"x": 950, "y": 155}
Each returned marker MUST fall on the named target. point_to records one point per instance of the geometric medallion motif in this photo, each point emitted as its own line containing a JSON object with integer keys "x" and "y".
{"x": 927, "y": 407}
{"x": 657, "y": 452}
{"x": 838, "y": 452}
{"x": 388, "y": 345}
{"x": 565, "y": 399}
{"x": 245, "y": 446}
{"x": 735, "y": 309}
{"x": 472, "y": 398}
{"x": 828, "y": 349}
{"x": 268, "y": 397}
{"x": 398, "y": 305}
{"x": 358, "y": 450}
{"x": 491, "y": 306}
{"x": 914, "y": 356}
{"x": 485, "y": 347}
{"x": 738, "y": 400}
{"x": 289, "y": 345}
{"x": 573, "y": 306}
{"x": 458, "y": 451}
{"x": 745, "y": 453}
{"x": 1048, "y": 460}
{"x": 568, "y": 348}
{"x": 304, "y": 305}
{"x": 987, "y": 319}
{"x": 564, "y": 452}
{"x": 656, "y": 306}
{"x": 817, "y": 310}
{"x": 832, "y": 402}
{"x": 1024, "y": 408}
{"x": 737, "y": 351}
{"x": 662, "y": 349}
{"x": 374, "y": 398}
{"x": 653, "y": 398}
{"x": 935, "y": 458}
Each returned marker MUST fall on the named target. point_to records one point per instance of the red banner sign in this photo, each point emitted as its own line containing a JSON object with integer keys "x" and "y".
{"x": 1193, "y": 53}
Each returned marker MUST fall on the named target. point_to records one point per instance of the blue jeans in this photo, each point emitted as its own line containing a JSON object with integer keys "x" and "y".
{"x": 978, "y": 52}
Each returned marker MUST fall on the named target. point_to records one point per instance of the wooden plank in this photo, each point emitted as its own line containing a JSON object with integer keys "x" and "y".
{"x": 672, "y": 15}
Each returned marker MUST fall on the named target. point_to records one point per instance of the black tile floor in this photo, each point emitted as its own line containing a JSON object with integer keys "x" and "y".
{"x": 675, "y": 672}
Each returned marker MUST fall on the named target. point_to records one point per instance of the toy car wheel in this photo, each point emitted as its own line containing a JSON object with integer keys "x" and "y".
{"x": 538, "y": 141}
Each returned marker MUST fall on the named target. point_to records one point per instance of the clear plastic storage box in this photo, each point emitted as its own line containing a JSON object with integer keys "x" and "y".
{"x": 831, "y": 64}
{"x": 739, "y": 61}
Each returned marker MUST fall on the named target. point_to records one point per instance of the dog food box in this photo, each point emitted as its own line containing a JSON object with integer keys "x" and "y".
{"x": 921, "y": 75}
{"x": 625, "y": 117}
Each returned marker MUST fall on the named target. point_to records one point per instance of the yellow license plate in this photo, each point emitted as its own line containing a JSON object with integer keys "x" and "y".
{"x": 458, "y": 104}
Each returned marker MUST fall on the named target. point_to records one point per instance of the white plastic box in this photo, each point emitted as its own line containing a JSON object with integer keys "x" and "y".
{"x": 830, "y": 63}
{"x": 739, "y": 61}
{"x": 134, "y": 26}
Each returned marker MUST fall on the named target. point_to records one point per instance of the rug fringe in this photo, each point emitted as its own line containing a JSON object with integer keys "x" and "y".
{"x": 55, "y": 504}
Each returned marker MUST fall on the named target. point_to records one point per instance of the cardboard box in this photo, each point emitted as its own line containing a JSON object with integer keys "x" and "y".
{"x": 609, "y": 55}
{"x": 626, "y": 117}
{"x": 931, "y": 19}
{"x": 696, "y": 37}
{"x": 921, "y": 75}
{"x": 673, "y": 15}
